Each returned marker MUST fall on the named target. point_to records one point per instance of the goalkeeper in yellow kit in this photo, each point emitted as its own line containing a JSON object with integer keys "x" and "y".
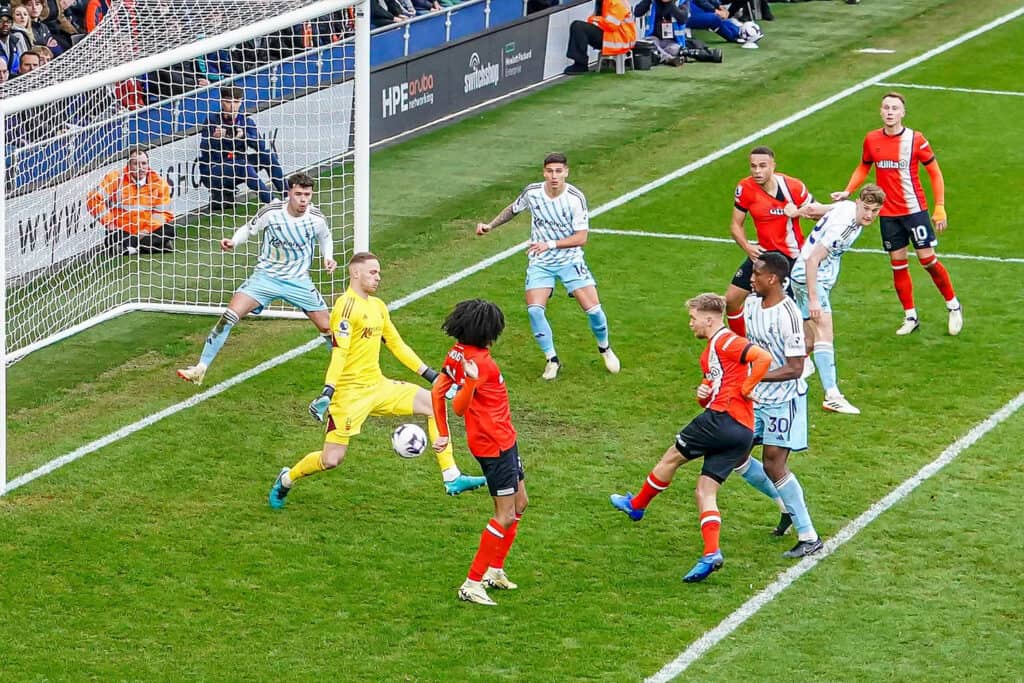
{"x": 355, "y": 387}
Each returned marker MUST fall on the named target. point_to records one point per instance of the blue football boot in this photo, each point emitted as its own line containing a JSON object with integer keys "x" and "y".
{"x": 463, "y": 483}
{"x": 625, "y": 503}
{"x": 707, "y": 564}
{"x": 278, "y": 492}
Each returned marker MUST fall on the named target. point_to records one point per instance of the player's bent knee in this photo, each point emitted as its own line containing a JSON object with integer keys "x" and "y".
{"x": 332, "y": 455}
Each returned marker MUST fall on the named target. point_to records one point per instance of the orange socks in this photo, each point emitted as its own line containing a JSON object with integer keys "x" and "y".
{"x": 710, "y": 526}
{"x": 652, "y": 487}
{"x": 490, "y": 545}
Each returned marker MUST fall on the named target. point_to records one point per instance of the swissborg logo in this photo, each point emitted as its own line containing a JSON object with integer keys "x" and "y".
{"x": 480, "y": 75}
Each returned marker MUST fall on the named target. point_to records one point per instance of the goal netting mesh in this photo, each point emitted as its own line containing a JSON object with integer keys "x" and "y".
{"x": 79, "y": 237}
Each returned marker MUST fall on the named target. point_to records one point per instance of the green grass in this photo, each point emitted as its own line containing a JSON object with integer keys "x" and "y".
{"x": 157, "y": 559}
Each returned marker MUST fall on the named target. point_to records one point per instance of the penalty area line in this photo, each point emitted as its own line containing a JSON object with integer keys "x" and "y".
{"x": 943, "y": 88}
{"x": 128, "y": 430}
{"x": 702, "y": 645}
{"x": 726, "y": 240}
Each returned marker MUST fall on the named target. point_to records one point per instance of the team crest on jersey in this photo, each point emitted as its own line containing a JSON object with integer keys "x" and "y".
{"x": 344, "y": 329}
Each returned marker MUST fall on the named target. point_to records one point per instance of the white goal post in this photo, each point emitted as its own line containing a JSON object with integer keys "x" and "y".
{"x": 74, "y": 251}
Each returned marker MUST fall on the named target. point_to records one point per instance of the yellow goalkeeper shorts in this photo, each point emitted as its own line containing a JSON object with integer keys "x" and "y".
{"x": 350, "y": 407}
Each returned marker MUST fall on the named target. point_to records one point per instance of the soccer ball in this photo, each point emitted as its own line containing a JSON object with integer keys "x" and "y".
{"x": 750, "y": 32}
{"x": 409, "y": 441}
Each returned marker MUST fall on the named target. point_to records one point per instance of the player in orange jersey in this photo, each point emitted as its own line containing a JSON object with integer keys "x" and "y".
{"x": 775, "y": 203}
{"x": 896, "y": 152}
{"x": 722, "y": 435}
{"x": 482, "y": 399}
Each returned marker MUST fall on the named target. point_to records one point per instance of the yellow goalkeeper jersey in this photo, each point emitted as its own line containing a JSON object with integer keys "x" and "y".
{"x": 358, "y": 327}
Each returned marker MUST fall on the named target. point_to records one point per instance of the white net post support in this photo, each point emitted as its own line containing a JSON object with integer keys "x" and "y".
{"x": 3, "y": 306}
{"x": 362, "y": 128}
{"x": 311, "y": 108}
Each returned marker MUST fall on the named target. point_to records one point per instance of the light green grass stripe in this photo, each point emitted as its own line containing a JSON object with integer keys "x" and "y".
{"x": 752, "y": 606}
{"x": 497, "y": 258}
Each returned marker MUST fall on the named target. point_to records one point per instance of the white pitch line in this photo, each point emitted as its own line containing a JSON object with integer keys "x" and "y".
{"x": 972, "y": 91}
{"x": 726, "y": 240}
{"x": 451, "y": 279}
{"x": 748, "y": 609}
{"x": 814, "y": 108}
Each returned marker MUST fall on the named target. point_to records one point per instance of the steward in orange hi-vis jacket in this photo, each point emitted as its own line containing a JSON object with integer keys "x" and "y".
{"x": 616, "y": 22}
{"x": 134, "y": 203}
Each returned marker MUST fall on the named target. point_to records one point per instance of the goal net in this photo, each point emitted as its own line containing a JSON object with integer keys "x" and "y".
{"x": 224, "y": 99}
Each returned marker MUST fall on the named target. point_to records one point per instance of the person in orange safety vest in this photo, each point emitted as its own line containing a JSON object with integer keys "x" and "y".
{"x": 134, "y": 205}
{"x": 612, "y": 32}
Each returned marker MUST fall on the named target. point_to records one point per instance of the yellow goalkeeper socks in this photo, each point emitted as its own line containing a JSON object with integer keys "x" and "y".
{"x": 310, "y": 464}
{"x": 446, "y": 458}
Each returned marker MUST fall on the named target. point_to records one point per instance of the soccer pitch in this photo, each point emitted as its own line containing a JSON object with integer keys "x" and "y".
{"x": 156, "y": 557}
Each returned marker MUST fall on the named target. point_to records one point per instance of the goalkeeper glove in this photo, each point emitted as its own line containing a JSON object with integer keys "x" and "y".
{"x": 319, "y": 405}
{"x": 452, "y": 390}
{"x": 429, "y": 374}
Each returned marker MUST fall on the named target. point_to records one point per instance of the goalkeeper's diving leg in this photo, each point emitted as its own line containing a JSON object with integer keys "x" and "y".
{"x": 455, "y": 482}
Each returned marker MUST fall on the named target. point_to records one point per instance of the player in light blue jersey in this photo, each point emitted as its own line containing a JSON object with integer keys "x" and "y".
{"x": 815, "y": 273}
{"x": 291, "y": 229}
{"x": 559, "y": 229}
{"x": 774, "y": 323}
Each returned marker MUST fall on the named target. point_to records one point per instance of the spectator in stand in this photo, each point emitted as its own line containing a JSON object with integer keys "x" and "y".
{"x": 408, "y": 9}
{"x": 5, "y": 72}
{"x": 332, "y": 28}
{"x": 12, "y": 43}
{"x": 30, "y": 61}
{"x": 713, "y": 16}
{"x": 44, "y": 53}
{"x": 386, "y": 13}
{"x": 22, "y": 22}
{"x": 214, "y": 66}
{"x": 611, "y": 31}
{"x": 95, "y": 10}
{"x": 40, "y": 33}
{"x": 176, "y": 79}
{"x": 62, "y": 22}
{"x": 134, "y": 205}
{"x": 232, "y": 152}
{"x": 264, "y": 50}
{"x": 666, "y": 27}
{"x": 426, "y": 6}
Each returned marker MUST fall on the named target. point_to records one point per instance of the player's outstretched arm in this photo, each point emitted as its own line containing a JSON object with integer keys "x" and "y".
{"x": 505, "y": 216}
{"x": 860, "y": 174}
{"x": 404, "y": 353}
{"x": 814, "y": 210}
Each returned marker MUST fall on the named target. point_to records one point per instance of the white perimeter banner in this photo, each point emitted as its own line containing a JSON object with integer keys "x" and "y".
{"x": 49, "y": 226}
